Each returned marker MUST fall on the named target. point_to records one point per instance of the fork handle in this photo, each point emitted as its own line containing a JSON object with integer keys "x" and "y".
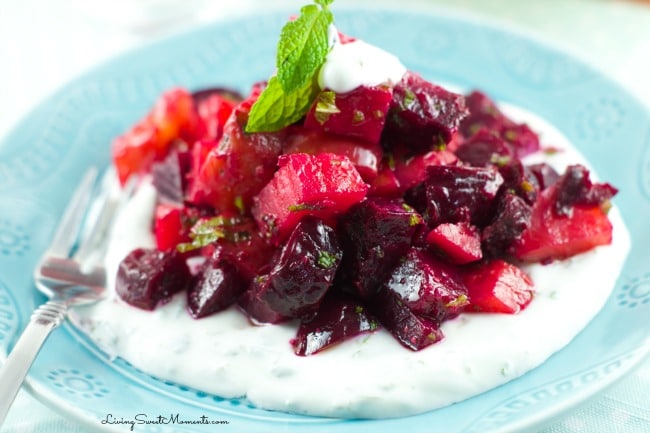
{"x": 12, "y": 374}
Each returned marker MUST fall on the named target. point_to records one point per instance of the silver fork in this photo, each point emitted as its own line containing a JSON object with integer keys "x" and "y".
{"x": 69, "y": 273}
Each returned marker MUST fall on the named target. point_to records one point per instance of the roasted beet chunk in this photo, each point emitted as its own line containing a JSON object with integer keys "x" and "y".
{"x": 410, "y": 330}
{"x": 511, "y": 219}
{"x": 575, "y": 188}
{"x": 519, "y": 179}
{"x": 427, "y": 286}
{"x": 423, "y": 114}
{"x": 458, "y": 243}
{"x": 375, "y": 234}
{"x": 456, "y": 193}
{"x": 483, "y": 148}
{"x": 339, "y": 317}
{"x": 484, "y": 113}
{"x": 299, "y": 277}
{"x": 147, "y": 276}
{"x": 169, "y": 176}
{"x": 217, "y": 287}
{"x": 543, "y": 174}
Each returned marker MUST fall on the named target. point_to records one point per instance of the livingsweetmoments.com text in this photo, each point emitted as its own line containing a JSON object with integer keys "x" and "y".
{"x": 144, "y": 419}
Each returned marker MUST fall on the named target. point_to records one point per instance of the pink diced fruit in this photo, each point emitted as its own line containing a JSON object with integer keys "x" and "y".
{"x": 324, "y": 185}
{"x": 359, "y": 113}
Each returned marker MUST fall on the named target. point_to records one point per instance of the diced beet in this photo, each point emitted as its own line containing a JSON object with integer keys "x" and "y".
{"x": 217, "y": 287}
{"x": 364, "y": 155}
{"x": 146, "y": 277}
{"x": 324, "y": 185}
{"x": 558, "y": 236}
{"x": 575, "y": 188}
{"x": 339, "y": 317}
{"x": 304, "y": 270}
{"x": 375, "y": 234}
{"x": 238, "y": 167}
{"x": 483, "y": 148}
{"x": 519, "y": 179}
{"x": 484, "y": 113}
{"x": 258, "y": 310}
{"x": 385, "y": 184}
{"x": 411, "y": 331}
{"x": 411, "y": 171}
{"x": 168, "y": 227}
{"x": 427, "y": 286}
{"x": 457, "y": 243}
{"x": 168, "y": 176}
{"x": 359, "y": 113}
{"x": 544, "y": 174}
{"x": 456, "y": 193}
{"x": 510, "y": 220}
{"x": 497, "y": 286}
{"x": 423, "y": 114}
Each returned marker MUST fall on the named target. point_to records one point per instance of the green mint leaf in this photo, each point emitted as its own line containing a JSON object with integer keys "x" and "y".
{"x": 324, "y": 3}
{"x": 303, "y": 46}
{"x": 275, "y": 108}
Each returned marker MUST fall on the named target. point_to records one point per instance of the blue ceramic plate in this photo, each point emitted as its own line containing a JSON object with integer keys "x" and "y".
{"x": 45, "y": 155}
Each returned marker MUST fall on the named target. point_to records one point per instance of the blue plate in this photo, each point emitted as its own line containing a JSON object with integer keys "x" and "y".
{"x": 44, "y": 156}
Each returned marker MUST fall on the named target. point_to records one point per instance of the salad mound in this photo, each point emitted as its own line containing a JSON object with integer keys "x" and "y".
{"x": 395, "y": 204}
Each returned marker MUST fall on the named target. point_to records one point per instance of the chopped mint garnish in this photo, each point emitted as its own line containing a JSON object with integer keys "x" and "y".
{"x": 211, "y": 230}
{"x": 326, "y": 260}
{"x": 302, "y": 49}
{"x": 325, "y": 106}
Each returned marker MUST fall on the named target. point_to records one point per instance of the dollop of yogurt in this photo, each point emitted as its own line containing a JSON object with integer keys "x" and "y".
{"x": 358, "y": 63}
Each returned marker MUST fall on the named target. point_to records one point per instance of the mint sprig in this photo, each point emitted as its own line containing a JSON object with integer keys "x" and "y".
{"x": 302, "y": 49}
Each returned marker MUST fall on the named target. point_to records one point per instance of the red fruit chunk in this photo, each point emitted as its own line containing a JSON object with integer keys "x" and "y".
{"x": 238, "y": 167}
{"x": 324, "y": 185}
{"x": 214, "y": 107}
{"x": 558, "y": 236}
{"x": 423, "y": 114}
{"x": 364, "y": 155}
{"x": 411, "y": 331}
{"x": 428, "y": 287}
{"x": 168, "y": 227}
{"x": 456, "y": 193}
{"x": 172, "y": 117}
{"x": 360, "y": 113}
{"x": 217, "y": 287}
{"x": 146, "y": 277}
{"x": 458, "y": 243}
{"x": 339, "y": 317}
{"x": 376, "y": 233}
{"x": 497, "y": 286}
{"x": 385, "y": 184}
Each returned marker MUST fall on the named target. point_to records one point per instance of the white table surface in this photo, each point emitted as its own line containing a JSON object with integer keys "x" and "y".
{"x": 44, "y": 44}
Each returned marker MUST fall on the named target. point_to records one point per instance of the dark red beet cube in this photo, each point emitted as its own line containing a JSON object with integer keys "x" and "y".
{"x": 575, "y": 188}
{"x": 257, "y": 309}
{"x": 168, "y": 176}
{"x": 511, "y": 219}
{"x": 217, "y": 287}
{"x": 543, "y": 174}
{"x": 428, "y": 287}
{"x": 497, "y": 286}
{"x": 457, "y": 243}
{"x": 423, "y": 114}
{"x": 360, "y": 113}
{"x": 324, "y": 185}
{"x": 339, "y": 317}
{"x": 364, "y": 155}
{"x": 375, "y": 234}
{"x": 484, "y": 148}
{"x": 410, "y": 330}
{"x": 147, "y": 276}
{"x": 411, "y": 171}
{"x": 456, "y": 193}
{"x": 304, "y": 270}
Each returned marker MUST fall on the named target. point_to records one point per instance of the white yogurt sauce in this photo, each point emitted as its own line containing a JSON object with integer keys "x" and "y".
{"x": 357, "y": 63}
{"x": 371, "y": 376}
